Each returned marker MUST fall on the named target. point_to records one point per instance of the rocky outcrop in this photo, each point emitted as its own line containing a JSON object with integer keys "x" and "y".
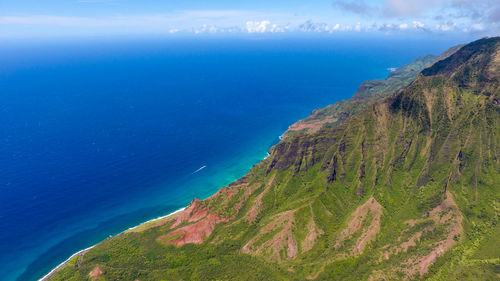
{"x": 194, "y": 212}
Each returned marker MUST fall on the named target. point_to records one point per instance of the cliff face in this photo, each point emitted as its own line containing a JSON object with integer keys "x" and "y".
{"x": 406, "y": 188}
{"x": 368, "y": 93}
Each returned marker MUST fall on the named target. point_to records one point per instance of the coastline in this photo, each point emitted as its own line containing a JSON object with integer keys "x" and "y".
{"x": 55, "y": 269}
{"x": 47, "y": 276}
{"x": 82, "y": 252}
{"x": 295, "y": 103}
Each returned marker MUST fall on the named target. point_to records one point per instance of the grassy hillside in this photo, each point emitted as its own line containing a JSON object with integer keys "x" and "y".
{"x": 408, "y": 188}
{"x": 367, "y": 94}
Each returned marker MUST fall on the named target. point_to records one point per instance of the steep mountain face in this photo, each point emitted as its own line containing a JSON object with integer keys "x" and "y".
{"x": 368, "y": 93}
{"x": 408, "y": 188}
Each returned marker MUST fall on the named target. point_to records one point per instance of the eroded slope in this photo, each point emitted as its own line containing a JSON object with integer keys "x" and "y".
{"x": 406, "y": 189}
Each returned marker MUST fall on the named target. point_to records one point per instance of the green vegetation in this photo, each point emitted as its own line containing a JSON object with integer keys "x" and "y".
{"x": 406, "y": 187}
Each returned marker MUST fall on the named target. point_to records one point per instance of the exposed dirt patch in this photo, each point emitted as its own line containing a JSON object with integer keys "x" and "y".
{"x": 445, "y": 215}
{"x": 370, "y": 208}
{"x": 365, "y": 221}
{"x": 314, "y": 233}
{"x": 248, "y": 191}
{"x": 228, "y": 191}
{"x": 196, "y": 211}
{"x": 202, "y": 221}
{"x": 192, "y": 213}
{"x": 310, "y": 127}
{"x": 257, "y": 205}
{"x": 95, "y": 273}
{"x": 282, "y": 240}
{"x": 411, "y": 242}
{"x": 430, "y": 98}
{"x": 193, "y": 233}
{"x": 403, "y": 247}
{"x": 447, "y": 95}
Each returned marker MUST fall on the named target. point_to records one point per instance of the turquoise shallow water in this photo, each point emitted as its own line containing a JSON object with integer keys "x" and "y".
{"x": 100, "y": 135}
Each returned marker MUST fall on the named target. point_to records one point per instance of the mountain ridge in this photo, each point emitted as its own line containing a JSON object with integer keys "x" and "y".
{"x": 407, "y": 188}
{"x": 368, "y": 92}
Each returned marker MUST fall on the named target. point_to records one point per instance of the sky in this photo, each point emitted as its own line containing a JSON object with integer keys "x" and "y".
{"x": 47, "y": 18}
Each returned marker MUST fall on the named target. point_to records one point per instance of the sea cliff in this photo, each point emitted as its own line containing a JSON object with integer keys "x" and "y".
{"x": 399, "y": 182}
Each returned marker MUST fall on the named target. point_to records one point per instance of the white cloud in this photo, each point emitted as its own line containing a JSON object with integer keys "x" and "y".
{"x": 418, "y": 25}
{"x": 310, "y": 26}
{"x": 207, "y": 29}
{"x": 257, "y": 26}
{"x": 276, "y": 28}
{"x": 318, "y": 27}
{"x": 232, "y": 21}
{"x": 435, "y": 13}
{"x": 263, "y": 26}
{"x": 357, "y": 27}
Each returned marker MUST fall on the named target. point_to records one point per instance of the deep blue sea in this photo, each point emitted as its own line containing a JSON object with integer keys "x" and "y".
{"x": 99, "y": 135}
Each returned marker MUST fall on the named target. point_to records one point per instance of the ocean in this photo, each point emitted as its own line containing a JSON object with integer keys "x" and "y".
{"x": 99, "y": 135}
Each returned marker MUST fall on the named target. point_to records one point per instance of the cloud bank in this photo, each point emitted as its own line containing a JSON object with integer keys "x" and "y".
{"x": 474, "y": 16}
{"x": 480, "y": 17}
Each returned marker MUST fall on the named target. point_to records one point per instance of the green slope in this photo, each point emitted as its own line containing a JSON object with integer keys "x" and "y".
{"x": 367, "y": 94}
{"x": 408, "y": 188}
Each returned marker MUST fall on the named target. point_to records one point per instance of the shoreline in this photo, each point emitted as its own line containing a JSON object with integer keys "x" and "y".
{"x": 82, "y": 252}
{"x": 55, "y": 269}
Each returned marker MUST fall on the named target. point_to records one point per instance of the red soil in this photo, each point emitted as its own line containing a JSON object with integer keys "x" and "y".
{"x": 193, "y": 233}
{"x": 311, "y": 127}
{"x": 355, "y": 224}
{"x": 192, "y": 213}
{"x": 95, "y": 273}
{"x": 281, "y": 240}
{"x": 255, "y": 210}
{"x": 204, "y": 224}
